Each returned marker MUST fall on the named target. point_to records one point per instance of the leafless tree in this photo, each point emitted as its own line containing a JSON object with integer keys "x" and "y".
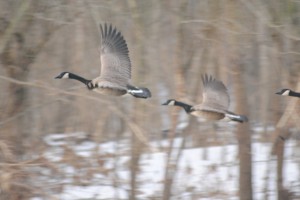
{"x": 252, "y": 46}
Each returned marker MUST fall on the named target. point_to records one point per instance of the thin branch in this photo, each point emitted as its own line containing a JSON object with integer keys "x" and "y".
{"x": 133, "y": 126}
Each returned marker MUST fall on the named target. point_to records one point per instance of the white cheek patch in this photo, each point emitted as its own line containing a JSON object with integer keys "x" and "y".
{"x": 172, "y": 103}
{"x": 286, "y": 93}
{"x": 66, "y": 75}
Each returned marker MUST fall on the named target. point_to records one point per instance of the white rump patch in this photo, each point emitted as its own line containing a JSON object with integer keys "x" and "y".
{"x": 135, "y": 91}
{"x": 233, "y": 116}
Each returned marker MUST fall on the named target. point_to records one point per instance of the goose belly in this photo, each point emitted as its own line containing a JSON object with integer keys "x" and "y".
{"x": 111, "y": 91}
{"x": 208, "y": 115}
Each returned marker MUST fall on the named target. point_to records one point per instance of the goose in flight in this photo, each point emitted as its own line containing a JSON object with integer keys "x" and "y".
{"x": 215, "y": 102}
{"x": 115, "y": 68}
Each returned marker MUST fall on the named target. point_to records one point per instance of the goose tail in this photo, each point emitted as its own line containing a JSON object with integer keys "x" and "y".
{"x": 139, "y": 92}
{"x": 237, "y": 118}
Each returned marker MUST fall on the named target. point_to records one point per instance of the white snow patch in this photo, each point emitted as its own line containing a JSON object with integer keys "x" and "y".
{"x": 202, "y": 171}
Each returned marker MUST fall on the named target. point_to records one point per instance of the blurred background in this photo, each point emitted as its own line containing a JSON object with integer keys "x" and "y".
{"x": 60, "y": 141}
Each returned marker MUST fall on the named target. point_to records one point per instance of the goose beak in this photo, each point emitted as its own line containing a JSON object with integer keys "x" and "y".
{"x": 57, "y": 77}
{"x": 278, "y": 93}
{"x": 164, "y": 104}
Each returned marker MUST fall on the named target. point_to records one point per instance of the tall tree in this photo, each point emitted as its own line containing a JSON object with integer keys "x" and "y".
{"x": 235, "y": 59}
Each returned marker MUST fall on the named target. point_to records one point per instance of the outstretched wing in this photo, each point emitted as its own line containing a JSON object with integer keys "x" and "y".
{"x": 215, "y": 95}
{"x": 115, "y": 62}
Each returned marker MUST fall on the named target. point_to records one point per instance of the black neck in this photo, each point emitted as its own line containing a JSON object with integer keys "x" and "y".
{"x": 185, "y": 106}
{"x": 294, "y": 94}
{"x": 79, "y": 78}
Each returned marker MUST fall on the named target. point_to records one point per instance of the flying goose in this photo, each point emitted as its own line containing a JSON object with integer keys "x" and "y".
{"x": 215, "y": 102}
{"x": 115, "y": 67}
{"x": 288, "y": 92}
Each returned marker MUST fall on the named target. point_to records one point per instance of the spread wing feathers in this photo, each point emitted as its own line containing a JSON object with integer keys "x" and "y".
{"x": 215, "y": 95}
{"x": 115, "y": 62}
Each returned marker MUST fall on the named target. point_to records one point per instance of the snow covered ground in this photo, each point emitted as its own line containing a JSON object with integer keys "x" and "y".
{"x": 203, "y": 173}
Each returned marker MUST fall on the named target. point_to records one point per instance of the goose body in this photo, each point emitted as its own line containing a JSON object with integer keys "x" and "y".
{"x": 115, "y": 68}
{"x": 288, "y": 92}
{"x": 215, "y": 102}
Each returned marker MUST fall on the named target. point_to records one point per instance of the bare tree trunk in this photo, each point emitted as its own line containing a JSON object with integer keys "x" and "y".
{"x": 16, "y": 64}
{"x": 18, "y": 51}
{"x": 244, "y": 141}
{"x": 139, "y": 107}
{"x": 17, "y": 69}
{"x": 171, "y": 166}
{"x": 264, "y": 72}
{"x": 242, "y": 133}
{"x": 281, "y": 192}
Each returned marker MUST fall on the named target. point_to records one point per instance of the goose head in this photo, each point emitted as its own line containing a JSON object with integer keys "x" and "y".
{"x": 63, "y": 75}
{"x": 170, "y": 102}
{"x": 284, "y": 92}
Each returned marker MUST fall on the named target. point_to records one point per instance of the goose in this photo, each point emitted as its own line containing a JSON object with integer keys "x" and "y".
{"x": 115, "y": 67}
{"x": 288, "y": 92}
{"x": 215, "y": 102}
